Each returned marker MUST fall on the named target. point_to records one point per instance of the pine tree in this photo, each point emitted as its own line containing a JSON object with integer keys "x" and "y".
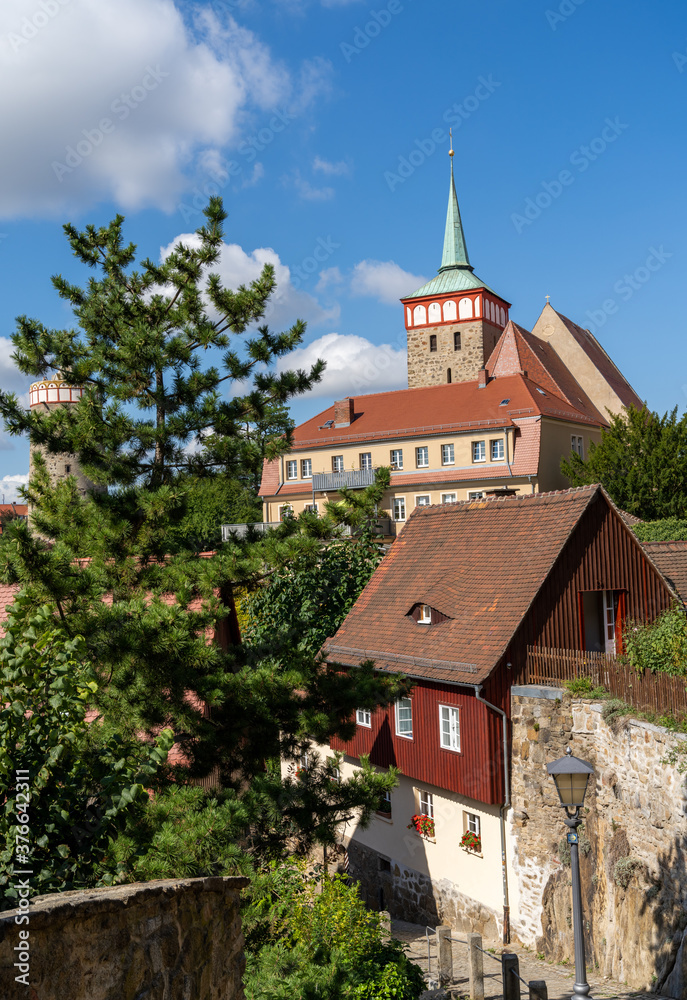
{"x": 156, "y": 349}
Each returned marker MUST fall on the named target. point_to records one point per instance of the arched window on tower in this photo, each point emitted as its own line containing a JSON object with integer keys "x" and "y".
{"x": 450, "y": 311}
{"x": 434, "y": 313}
{"x": 419, "y": 315}
{"x": 448, "y": 375}
{"x": 465, "y": 308}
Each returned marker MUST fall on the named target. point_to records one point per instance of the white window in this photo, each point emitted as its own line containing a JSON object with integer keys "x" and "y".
{"x": 285, "y": 512}
{"x": 449, "y": 498}
{"x": 479, "y": 451}
{"x": 363, "y": 717}
{"x": 449, "y": 727}
{"x": 447, "y": 454}
{"x": 335, "y": 774}
{"x": 424, "y": 500}
{"x": 404, "y": 718}
{"x": 422, "y": 457}
{"x": 578, "y": 445}
{"x": 397, "y": 458}
{"x": 426, "y": 800}
{"x": 292, "y": 470}
{"x": 425, "y": 614}
{"x": 385, "y": 803}
{"x": 366, "y": 461}
{"x": 303, "y": 762}
{"x": 306, "y": 468}
{"x": 337, "y": 463}
{"x": 312, "y": 507}
{"x": 399, "y": 508}
{"x": 497, "y": 452}
{"x": 419, "y": 315}
{"x": 476, "y": 495}
{"x": 472, "y": 824}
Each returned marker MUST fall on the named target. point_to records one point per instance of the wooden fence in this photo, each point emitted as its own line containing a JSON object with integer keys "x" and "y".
{"x": 647, "y": 692}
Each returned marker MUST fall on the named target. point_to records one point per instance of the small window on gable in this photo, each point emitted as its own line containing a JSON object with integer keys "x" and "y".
{"x": 363, "y": 717}
{"x": 504, "y": 401}
{"x": 425, "y": 615}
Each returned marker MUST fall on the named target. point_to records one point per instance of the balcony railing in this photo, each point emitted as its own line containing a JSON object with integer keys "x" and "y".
{"x": 241, "y": 530}
{"x": 330, "y": 482}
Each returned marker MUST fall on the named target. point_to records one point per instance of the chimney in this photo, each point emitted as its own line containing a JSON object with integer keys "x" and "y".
{"x": 343, "y": 412}
{"x": 483, "y": 378}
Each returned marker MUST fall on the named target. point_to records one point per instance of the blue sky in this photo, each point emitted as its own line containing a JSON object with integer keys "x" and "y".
{"x": 324, "y": 124}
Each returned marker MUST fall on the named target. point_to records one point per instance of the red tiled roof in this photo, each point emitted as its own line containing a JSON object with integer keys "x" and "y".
{"x": 671, "y": 560}
{"x": 270, "y": 478}
{"x": 8, "y": 591}
{"x": 18, "y": 508}
{"x": 596, "y": 354}
{"x": 518, "y": 350}
{"x": 494, "y": 554}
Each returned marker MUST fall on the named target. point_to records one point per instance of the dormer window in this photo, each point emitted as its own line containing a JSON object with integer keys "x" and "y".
{"x": 425, "y": 615}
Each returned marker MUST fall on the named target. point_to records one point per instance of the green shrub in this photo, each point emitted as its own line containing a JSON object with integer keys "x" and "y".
{"x": 659, "y": 646}
{"x": 669, "y": 529}
{"x": 583, "y": 687}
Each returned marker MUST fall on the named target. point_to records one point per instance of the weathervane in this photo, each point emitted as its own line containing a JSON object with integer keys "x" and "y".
{"x": 450, "y": 132}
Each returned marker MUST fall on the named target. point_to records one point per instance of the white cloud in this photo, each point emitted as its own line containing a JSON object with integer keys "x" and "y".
{"x": 330, "y": 277}
{"x": 338, "y": 169}
{"x": 306, "y": 190}
{"x": 354, "y": 365}
{"x": 9, "y": 486}
{"x": 236, "y": 267}
{"x": 11, "y": 379}
{"x": 384, "y": 280}
{"x": 117, "y": 98}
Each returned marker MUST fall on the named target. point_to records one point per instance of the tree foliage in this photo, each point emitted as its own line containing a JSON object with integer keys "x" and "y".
{"x": 641, "y": 461}
{"x": 669, "y": 529}
{"x": 79, "y": 783}
{"x": 659, "y": 646}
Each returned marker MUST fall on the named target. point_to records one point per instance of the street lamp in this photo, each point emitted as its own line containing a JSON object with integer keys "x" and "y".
{"x": 571, "y": 776}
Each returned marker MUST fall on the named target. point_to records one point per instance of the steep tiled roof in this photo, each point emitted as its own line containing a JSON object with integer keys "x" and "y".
{"x": 270, "y": 478}
{"x": 596, "y": 354}
{"x": 671, "y": 559}
{"x": 518, "y": 350}
{"x": 8, "y": 592}
{"x": 493, "y": 555}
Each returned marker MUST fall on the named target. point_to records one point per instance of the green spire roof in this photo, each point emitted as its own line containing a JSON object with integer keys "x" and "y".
{"x": 455, "y": 273}
{"x": 455, "y": 252}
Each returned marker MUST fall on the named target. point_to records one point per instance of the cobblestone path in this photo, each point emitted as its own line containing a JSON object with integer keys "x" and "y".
{"x": 559, "y": 978}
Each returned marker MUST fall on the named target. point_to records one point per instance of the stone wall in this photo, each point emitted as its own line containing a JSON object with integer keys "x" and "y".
{"x": 411, "y": 895}
{"x": 164, "y": 940}
{"x": 634, "y": 848}
{"x": 426, "y": 367}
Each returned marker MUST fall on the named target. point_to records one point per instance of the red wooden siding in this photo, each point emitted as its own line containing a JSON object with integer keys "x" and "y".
{"x": 600, "y": 555}
{"x": 476, "y": 771}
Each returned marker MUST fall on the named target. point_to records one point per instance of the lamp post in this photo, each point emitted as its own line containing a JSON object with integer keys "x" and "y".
{"x": 571, "y": 776}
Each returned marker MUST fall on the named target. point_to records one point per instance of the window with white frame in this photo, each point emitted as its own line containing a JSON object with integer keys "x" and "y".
{"x": 396, "y": 458}
{"x": 335, "y": 774}
{"x": 366, "y": 461}
{"x": 577, "y": 445}
{"x": 399, "y": 508}
{"x": 337, "y": 463}
{"x": 284, "y": 512}
{"x": 426, "y": 803}
{"x": 306, "y": 468}
{"x": 425, "y": 615}
{"x": 447, "y": 454}
{"x": 472, "y": 824}
{"x": 422, "y": 457}
{"x": 303, "y": 762}
{"x": 404, "y": 718}
{"x": 424, "y": 500}
{"x": 497, "y": 451}
{"x": 292, "y": 469}
{"x": 449, "y": 727}
{"x": 449, "y": 498}
{"x": 363, "y": 717}
{"x": 476, "y": 495}
{"x": 479, "y": 451}
{"x": 312, "y": 507}
{"x": 385, "y": 804}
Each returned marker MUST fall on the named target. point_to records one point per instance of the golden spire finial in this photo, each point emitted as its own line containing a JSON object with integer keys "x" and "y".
{"x": 450, "y": 132}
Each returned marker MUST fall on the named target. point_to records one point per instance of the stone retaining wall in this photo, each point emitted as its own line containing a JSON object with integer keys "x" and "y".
{"x": 164, "y": 940}
{"x": 634, "y": 871}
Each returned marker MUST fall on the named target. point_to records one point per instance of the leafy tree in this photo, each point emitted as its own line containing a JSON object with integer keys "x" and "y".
{"x": 78, "y": 783}
{"x": 659, "y": 646}
{"x": 155, "y": 348}
{"x": 642, "y": 463}
{"x": 670, "y": 529}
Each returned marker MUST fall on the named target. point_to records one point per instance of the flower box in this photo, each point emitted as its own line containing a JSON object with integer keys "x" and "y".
{"x": 423, "y": 824}
{"x": 471, "y": 842}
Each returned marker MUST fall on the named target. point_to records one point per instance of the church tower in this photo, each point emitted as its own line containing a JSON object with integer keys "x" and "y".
{"x": 49, "y": 394}
{"x": 455, "y": 320}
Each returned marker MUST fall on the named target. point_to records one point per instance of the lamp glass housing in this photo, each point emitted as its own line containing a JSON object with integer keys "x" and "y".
{"x": 572, "y": 788}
